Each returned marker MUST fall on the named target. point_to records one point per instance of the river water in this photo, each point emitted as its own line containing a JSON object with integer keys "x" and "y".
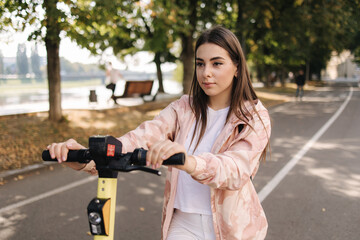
{"x": 37, "y": 100}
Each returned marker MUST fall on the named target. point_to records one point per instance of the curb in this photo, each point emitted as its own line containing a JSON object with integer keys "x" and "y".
{"x": 274, "y": 96}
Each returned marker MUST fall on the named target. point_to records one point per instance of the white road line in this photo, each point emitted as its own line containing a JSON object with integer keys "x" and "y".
{"x": 271, "y": 185}
{"x": 47, "y": 194}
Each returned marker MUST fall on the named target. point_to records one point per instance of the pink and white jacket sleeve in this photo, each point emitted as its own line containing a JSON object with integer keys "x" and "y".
{"x": 161, "y": 127}
{"x": 232, "y": 167}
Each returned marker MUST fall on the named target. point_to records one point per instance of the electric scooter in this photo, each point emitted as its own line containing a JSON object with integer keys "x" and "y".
{"x": 106, "y": 151}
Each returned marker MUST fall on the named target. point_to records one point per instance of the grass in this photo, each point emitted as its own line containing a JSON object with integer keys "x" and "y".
{"x": 24, "y": 137}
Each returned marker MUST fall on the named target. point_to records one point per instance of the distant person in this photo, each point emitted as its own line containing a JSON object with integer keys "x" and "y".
{"x": 300, "y": 82}
{"x": 112, "y": 76}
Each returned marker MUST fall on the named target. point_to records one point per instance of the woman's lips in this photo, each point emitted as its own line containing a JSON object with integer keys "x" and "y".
{"x": 207, "y": 84}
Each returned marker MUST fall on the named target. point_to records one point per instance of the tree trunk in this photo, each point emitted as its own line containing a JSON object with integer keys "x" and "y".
{"x": 307, "y": 71}
{"x": 267, "y": 82}
{"x": 240, "y": 29}
{"x": 259, "y": 73}
{"x": 283, "y": 77}
{"x": 54, "y": 80}
{"x": 187, "y": 58}
{"x": 187, "y": 53}
{"x": 159, "y": 72}
{"x": 52, "y": 43}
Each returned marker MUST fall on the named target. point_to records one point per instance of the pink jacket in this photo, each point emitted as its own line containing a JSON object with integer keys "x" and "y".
{"x": 234, "y": 158}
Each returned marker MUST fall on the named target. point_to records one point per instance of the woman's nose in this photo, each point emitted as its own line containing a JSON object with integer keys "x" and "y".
{"x": 207, "y": 71}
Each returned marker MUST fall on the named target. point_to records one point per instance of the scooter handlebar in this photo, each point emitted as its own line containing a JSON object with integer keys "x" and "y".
{"x": 81, "y": 156}
{"x": 138, "y": 157}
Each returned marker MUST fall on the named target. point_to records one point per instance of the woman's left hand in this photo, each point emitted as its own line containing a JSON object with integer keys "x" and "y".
{"x": 162, "y": 150}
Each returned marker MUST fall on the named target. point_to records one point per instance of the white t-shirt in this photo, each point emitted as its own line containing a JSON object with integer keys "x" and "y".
{"x": 192, "y": 196}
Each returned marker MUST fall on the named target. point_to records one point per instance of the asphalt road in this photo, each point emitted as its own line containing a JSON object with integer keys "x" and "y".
{"x": 315, "y": 193}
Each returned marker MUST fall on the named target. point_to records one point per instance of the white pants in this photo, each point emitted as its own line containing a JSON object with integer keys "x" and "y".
{"x": 191, "y": 226}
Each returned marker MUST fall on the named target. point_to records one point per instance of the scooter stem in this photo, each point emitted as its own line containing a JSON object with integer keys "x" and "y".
{"x": 107, "y": 190}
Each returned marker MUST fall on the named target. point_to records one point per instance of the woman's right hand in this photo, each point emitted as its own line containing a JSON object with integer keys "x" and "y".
{"x": 60, "y": 152}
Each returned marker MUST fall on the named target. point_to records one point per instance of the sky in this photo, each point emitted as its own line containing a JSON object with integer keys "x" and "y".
{"x": 73, "y": 53}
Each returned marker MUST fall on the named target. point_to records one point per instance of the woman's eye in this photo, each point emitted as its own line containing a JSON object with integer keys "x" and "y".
{"x": 217, "y": 63}
{"x": 199, "y": 64}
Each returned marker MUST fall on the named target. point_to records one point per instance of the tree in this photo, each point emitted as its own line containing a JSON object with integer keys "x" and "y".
{"x": 53, "y": 25}
{"x": 189, "y": 17}
{"x": 157, "y": 33}
{"x": 355, "y": 47}
{"x": 282, "y": 36}
{"x": 352, "y": 29}
{"x": 127, "y": 27}
{"x": 22, "y": 60}
{"x": 50, "y": 18}
{"x": 35, "y": 62}
{"x": 328, "y": 26}
{"x": 153, "y": 26}
{"x": 21, "y": 14}
{"x": 192, "y": 18}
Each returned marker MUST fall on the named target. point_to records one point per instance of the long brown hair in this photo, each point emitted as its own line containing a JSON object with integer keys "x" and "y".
{"x": 242, "y": 89}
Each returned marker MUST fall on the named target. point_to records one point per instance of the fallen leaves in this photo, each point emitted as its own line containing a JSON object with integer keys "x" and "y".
{"x": 24, "y": 137}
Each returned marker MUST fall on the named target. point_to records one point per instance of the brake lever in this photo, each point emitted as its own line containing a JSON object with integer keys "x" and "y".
{"x": 149, "y": 170}
{"x": 124, "y": 165}
{"x": 136, "y": 168}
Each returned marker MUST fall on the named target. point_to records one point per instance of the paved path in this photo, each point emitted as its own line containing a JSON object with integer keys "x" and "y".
{"x": 316, "y": 198}
{"x": 319, "y": 197}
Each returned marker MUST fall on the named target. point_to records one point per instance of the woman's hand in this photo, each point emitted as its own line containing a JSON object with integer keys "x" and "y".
{"x": 162, "y": 150}
{"x": 60, "y": 152}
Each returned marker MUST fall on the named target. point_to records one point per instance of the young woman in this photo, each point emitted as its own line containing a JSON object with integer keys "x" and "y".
{"x": 224, "y": 130}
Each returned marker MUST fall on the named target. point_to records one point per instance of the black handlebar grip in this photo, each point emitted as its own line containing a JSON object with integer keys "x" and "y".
{"x": 139, "y": 158}
{"x": 176, "y": 159}
{"x": 81, "y": 156}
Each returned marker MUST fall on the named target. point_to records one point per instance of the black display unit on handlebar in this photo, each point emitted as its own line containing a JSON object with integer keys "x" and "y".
{"x": 106, "y": 151}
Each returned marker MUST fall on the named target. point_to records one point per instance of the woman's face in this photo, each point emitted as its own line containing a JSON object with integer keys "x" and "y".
{"x": 215, "y": 72}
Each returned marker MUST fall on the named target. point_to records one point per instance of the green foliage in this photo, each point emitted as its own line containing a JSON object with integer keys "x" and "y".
{"x": 276, "y": 35}
{"x": 353, "y": 29}
{"x": 48, "y": 18}
{"x": 103, "y": 24}
{"x": 155, "y": 28}
{"x": 280, "y": 35}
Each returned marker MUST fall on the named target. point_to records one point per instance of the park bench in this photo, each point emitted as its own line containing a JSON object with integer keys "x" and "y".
{"x": 135, "y": 88}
